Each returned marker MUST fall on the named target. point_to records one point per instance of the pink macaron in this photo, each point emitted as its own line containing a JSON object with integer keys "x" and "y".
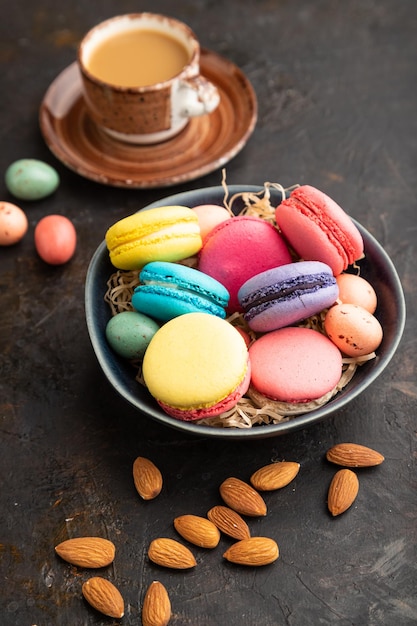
{"x": 239, "y": 248}
{"x": 318, "y": 229}
{"x": 294, "y": 364}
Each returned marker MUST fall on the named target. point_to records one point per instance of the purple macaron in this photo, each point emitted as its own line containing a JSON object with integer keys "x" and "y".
{"x": 287, "y": 294}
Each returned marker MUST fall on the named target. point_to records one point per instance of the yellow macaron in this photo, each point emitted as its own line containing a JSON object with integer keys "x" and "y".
{"x": 168, "y": 233}
{"x": 196, "y": 366}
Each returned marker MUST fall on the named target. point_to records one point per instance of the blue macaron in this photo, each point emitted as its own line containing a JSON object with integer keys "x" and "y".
{"x": 287, "y": 294}
{"x": 168, "y": 290}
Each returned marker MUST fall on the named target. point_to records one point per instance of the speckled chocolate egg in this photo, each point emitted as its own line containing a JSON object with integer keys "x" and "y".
{"x": 31, "y": 179}
{"x": 353, "y": 329}
{"x": 354, "y": 289}
{"x": 129, "y": 333}
{"x": 13, "y": 224}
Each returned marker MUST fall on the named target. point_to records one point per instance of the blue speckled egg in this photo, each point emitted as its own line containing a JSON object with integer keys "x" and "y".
{"x": 31, "y": 179}
{"x": 129, "y": 333}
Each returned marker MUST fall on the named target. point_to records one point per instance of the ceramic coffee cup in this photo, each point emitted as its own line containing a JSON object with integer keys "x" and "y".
{"x": 141, "y": 77}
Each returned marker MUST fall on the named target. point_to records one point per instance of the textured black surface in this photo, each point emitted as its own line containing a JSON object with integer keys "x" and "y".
{"x": 336, "y": 84}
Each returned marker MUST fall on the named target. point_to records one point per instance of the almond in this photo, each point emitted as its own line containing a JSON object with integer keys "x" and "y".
{"x": 274, "y": 475}
{"x": 156, "y": 610}
{"x": 254, "y": 551}
{"x": 197, "y": 530}
{"x": 242, "y": 498}
{"x": 87, "y": 551}
{"x": 147, "y": 478}
{"x": 229, "y": 522}
{"x": 104, "y": 597}
{"x": 354, "y": 455}
{"x": 171, "y": 553}
{"x": 342, "y": 491}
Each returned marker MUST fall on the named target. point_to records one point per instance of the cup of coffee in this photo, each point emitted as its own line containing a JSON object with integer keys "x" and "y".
{"x": 141, "y": 77}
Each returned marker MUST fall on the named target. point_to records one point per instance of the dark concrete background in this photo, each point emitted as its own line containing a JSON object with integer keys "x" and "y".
{"x": 337, "y": 91}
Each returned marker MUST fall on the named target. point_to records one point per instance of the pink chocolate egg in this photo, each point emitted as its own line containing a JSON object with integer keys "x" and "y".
{"x": 294, "y": 364}
{"x": 353, "y": 329}
{"x": 55, "y": 239}
{"x": 13, "y": 224}
{"x": 354, "y": 289}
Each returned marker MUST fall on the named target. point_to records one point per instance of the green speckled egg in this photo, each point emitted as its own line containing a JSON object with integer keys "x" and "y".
{"x": 31, "y": 179}
{"x": 129, "y": 333}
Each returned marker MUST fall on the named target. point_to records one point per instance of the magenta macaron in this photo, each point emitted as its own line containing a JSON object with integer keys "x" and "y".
{"x": 287, "y": 294}
{"x": 318, "y": 229}
{"x": 239, "y": 248}
{"x": 295, "y": 365}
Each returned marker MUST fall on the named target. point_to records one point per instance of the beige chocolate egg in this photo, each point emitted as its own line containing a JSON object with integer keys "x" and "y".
{"x": 353, "y": 329}
{"x": 13, "y": 224}
{"x": 354, "y": 289}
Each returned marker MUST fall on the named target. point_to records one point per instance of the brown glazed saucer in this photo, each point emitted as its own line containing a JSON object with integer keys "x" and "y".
{"x": 207, "y": 142}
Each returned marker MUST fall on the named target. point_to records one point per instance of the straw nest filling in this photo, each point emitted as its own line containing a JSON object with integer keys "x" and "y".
{"x": 254, "y": 409}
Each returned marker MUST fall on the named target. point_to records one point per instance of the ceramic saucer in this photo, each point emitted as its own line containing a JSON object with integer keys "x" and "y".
{"x": 207, "y": 142}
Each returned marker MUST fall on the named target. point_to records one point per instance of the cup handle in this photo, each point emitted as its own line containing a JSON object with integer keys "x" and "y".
{"x": 197, "y": 96}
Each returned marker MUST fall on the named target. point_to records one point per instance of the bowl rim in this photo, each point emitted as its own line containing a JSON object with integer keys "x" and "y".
{"x": 258, "y": 432}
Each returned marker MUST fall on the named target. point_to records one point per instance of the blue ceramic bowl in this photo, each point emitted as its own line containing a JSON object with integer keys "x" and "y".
{"x": 377, "y": 268}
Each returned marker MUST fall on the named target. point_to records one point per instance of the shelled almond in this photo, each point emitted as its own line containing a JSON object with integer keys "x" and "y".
{"x": 354, "y": 455}
{"x": 104, "y": 596}
{"x": 229, "y": 522}
{"x": 147, "y": 478}
{"x": 87, "y": 551}
{"x": 274, "y": 476}
{"x": 255, "y": 551}
{"x": 242, "y": 498}
{"x": 156, "y": 610}
{"x": 343, "y": 490}
{"x": 171, "y": 553}
{"x": 197, "y": 530}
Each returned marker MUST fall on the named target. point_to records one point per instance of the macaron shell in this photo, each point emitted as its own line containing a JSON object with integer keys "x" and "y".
{"x": 194, "y": 362}
{"x": 217, "y": 409}
{"x": 295, "y": 364}
{"x": 287, "y": 294}
{"x": 164, "y": 304}
{"x": 168, "y": 233}
{"x": 319, "y": 229}
{"x": 239, "y": 248}
{"x": 170, "y": 289}
{"x": 179, "y": 276}
{"x": 353, "y": 329}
